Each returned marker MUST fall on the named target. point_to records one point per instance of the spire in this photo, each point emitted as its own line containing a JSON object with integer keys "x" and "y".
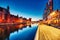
{"x": 8, "y": 8}
{"x": 17, "y": 15}
{"x": 51, "y": 5}
{"x": 51, "y": 2}
{"x": 46, "y": 4}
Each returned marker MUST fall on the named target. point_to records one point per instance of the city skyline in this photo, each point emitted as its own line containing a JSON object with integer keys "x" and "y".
{"x": 28, "y": 8}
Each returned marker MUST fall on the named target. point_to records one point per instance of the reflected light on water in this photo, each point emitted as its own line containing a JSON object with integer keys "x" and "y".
{"x": 24, "y": 33}
{"x": 34, "y": 24}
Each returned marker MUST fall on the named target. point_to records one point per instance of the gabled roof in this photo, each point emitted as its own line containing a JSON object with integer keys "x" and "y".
{"x": 1, "y": 9}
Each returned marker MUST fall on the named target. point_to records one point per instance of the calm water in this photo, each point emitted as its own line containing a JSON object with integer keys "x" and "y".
{"x": 27, "y": 33}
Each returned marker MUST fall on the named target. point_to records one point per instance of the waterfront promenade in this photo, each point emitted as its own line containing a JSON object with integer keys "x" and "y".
{"x": 46, "y": 32}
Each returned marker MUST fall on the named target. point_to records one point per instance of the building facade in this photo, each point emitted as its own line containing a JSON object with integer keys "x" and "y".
{"x": 48, "y": 9}
{"x": 51, "y": 16}
{"x": 4, "y": 14}
{"x": 54, "y": 18}
{"x": 6, "y": 17}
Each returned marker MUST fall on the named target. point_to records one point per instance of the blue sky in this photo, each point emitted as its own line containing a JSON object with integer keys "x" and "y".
{"x": 28, "y": 8}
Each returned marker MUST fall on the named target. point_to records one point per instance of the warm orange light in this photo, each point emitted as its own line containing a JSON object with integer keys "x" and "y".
{"x": 21, "y": 26}
{"x": 53, "y": 13}
{"x": 0, "y": 20}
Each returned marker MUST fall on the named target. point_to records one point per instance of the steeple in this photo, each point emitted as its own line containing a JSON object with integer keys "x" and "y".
{"x": 48, "y": 9}
{"x": 17, "y": 15}
{"x": 51, "y": 5}
{"x": 8, "y": 8}
{"x": 47, "y": 5}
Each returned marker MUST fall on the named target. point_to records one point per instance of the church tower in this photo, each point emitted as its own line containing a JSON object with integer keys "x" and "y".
{"x": 50, "y": 5}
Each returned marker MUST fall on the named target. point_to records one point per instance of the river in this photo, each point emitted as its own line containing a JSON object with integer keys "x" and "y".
{"x": 27, "y": 33}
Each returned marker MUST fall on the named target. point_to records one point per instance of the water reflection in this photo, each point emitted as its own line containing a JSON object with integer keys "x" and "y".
{"x": 24, "y": 34}
{"x": 27, "y": 33}
{"x": 5, "y": 30}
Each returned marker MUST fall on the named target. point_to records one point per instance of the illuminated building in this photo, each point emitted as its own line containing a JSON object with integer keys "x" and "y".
{"x": 54, "y": 18}
{"x": 24, "y": 20}
{"x": 20, "y": 19}
{"x": 29, "y": 21}
{"x": 4, "y": 14}
{"x": 6, "y": 17}
{"x": 51, "y": 16}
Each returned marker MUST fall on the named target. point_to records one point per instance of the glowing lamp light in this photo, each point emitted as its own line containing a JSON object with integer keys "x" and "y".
{"x": 52, "y": 13}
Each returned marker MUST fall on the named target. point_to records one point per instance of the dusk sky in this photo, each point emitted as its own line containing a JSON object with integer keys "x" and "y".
{"x": 28, "y": 8}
